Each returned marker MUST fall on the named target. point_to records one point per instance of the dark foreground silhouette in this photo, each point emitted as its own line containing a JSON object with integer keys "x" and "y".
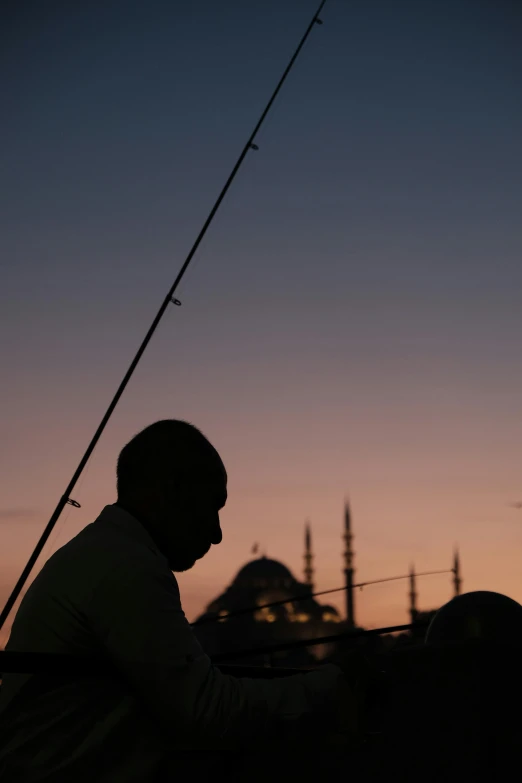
{"x": 442, "y": 711}
{"x": 149, "y": 705}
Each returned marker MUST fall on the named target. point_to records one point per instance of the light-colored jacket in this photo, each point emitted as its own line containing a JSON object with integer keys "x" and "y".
{"x": 109, "y": 592}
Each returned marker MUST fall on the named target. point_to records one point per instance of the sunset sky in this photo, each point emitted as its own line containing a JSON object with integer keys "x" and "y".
{"x": 352, "y": 323}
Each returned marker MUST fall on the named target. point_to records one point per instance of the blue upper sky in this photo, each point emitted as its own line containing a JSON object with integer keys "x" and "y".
{"x": 365, "y": 268}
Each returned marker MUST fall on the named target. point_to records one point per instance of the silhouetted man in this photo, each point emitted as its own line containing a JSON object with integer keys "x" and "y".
{"x": 110, "y": 593}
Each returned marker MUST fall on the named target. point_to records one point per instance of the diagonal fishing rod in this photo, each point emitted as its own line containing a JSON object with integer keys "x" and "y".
{"x": 169, "y": 299}
{"x": 300, "y": 643}
{"x": 305, "y": 596}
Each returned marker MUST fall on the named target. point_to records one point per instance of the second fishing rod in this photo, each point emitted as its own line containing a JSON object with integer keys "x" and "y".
{"x": 169, "y": 299}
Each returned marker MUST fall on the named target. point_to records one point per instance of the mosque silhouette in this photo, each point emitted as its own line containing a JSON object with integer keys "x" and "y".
{"x": 223, "y": 627}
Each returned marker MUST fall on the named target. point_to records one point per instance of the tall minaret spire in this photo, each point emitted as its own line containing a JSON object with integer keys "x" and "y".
{"x": 348, "y": 566}
{"x": 457, "y": 580}
{"x": 308, "y": 558}
{"x": 413, "y": 595}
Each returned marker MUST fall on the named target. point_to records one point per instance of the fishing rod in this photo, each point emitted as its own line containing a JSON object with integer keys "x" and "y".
{"x": 169, "y": 299}
{"x": 304, "y": 597}
{"x": 297, "y": 644}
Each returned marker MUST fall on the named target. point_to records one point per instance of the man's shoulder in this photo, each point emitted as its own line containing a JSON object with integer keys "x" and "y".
{"x": 96, "y": 543}
{"x": 98, "y": 551}
{"x": 114, "y": 534}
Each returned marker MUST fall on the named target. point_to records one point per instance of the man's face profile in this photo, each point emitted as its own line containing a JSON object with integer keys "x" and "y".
{"x": 190, "y": 522}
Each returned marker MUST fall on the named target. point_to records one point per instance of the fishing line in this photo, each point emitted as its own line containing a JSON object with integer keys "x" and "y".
{"x": 282, "y": 602}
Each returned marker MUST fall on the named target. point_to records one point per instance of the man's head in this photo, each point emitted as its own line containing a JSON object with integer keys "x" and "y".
{"x": 173, "y": 480}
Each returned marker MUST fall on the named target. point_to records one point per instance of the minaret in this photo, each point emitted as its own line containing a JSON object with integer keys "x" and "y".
{"x": 413, "y": 596}
{"x": 308, "y": 557}
{"x": 457, "y": 581}
{"x": 348, "y": 567}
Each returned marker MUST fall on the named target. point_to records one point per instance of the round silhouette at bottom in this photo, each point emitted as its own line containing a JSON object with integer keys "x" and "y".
{"x": 480, "y": 615}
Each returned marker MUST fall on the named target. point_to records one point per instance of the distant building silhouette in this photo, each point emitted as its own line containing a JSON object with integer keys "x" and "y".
{"x": 228, "y": 626}
{"x": 308, "y": 558}
{"x": 263, "y": 581}
{"x": 413, "y": 596}
{"x": 421, "y": 618}
{"x": 349, "y": 571}
{"x": 457, "y": 581}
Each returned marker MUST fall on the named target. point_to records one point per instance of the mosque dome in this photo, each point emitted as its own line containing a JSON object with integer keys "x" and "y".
{"x": 264, "y": 572}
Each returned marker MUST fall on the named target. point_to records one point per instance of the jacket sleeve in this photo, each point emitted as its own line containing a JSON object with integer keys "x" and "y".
{"x": 139, "y": 623}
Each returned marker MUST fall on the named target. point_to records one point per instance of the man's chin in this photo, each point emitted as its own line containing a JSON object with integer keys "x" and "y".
{"x": 180, "y": 566}
{"x": 185, "y": 565}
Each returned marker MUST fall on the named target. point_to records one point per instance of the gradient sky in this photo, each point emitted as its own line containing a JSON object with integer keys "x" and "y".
{"x": 352, "y": 322}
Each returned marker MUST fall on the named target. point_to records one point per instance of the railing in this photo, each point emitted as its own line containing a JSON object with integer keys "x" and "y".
{"x": 32, "y": 662}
